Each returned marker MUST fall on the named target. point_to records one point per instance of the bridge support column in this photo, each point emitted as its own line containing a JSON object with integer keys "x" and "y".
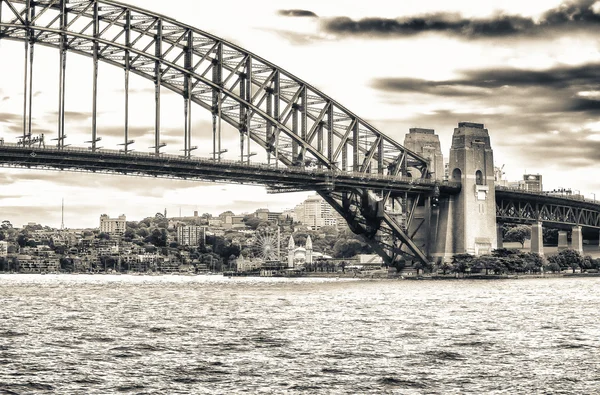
{"x": 499, "y": 235}
{"x": 474, "y": 217}
{"x": 537, "y": 239}
{"x": 577, "y": 239}
{"x": 562, "y": 240}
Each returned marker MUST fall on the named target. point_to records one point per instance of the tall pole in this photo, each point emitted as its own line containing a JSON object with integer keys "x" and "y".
{"x": 62, "y": 74}
{"x": 31, "y": 13}
{"x": 242, "y": 114}
{"x": 276, "y": 109}
{"x": 157, "y": 82}
{"x": 249, "y": 100}
{"x": 25, "y": 73}
{"x": 187, "y": 111}
{"x": 95, "y": 79}
{"x": 127, "y": 67}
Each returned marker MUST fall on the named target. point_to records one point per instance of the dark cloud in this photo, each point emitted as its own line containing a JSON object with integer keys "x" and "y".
{"x": 555, "y": 89}
{"x": 297, "y": 13}
{"x": 585, "y": 105}
{"x": 569, "y": 15}
{"x": 9, "y": 117}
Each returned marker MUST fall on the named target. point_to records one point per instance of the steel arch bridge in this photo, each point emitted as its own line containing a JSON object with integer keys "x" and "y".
{"x": 519, "y": 206}
{"x": 299, "y": 128}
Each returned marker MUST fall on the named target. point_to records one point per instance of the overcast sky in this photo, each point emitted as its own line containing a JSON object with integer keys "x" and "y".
{"x": 528, "y": 70}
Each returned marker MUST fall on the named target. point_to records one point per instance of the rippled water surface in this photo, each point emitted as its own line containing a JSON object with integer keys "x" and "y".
{"x": 76, "y": 334}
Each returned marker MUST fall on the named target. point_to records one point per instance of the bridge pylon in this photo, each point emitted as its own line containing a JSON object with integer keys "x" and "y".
{"x": 467, "y": 221}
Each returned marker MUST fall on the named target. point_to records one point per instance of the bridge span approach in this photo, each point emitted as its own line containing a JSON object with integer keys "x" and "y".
{"x": 307, "y": 140}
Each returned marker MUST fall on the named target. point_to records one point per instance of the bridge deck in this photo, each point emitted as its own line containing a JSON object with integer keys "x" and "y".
{"x": 196, "y": 168}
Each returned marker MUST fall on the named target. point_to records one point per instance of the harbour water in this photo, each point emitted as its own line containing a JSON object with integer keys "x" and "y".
{"x": 100, "y": 334}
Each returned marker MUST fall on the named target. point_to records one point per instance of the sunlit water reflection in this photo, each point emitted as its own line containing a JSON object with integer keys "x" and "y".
{"x": 77, "y": 334}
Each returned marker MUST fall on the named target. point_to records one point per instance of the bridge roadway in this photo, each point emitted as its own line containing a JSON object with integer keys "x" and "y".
{"x": 196, "y": 168}
{"x": 553, "y": 211}
{"x": 512, "y": 206}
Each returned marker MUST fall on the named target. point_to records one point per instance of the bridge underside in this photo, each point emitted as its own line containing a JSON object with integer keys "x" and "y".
{"x": 552, "y": 211}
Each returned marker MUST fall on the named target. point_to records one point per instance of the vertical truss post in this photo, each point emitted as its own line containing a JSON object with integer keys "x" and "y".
{"x": 187, "y": 91}
{"x": 242, "y": 124}
{"x": 303, "y": 122}
{"x": 270, "y": 136}
{"x": 217, "y": 68}
{"x": 380, "y": 154}
{"x": 62, "y": 74}
{"x": 277, "y": 114}
{"x": 320, "y": 141}
{"x": 355, "y": 159}
{"x": 157, "y": 82}
{"x": 345, "y": 156}
{"x": 26, "y": 72}
{"x": 330, "y": 135}
{"x": 295, "y": 108}
{"x": 31, "y": 16}
{"x": 249, "y": 100}
{"x": 127, "y": 71}
{"x": 96, "y": 22}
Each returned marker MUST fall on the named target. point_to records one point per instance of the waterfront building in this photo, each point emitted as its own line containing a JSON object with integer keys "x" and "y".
{"x": 3, "y": 248}
{"x": 533, "y": 182}
{"x": 191, "y": 235}
{"x": 113, "y": 226}
{"x": 316, "y": 213}
{"x": 299, "y": 256}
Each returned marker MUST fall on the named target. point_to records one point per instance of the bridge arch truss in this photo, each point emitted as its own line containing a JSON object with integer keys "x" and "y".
{"x": 293, "y": 122}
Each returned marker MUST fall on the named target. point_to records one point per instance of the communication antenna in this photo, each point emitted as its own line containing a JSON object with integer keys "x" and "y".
{"x": 62, "y": 220}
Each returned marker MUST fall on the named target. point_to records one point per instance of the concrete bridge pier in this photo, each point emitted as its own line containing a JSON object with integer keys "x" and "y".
{"x": 577, "y": 239}
{"x": 537, "y": 239}
{"x": 499, "y": 235}
{"x": 563, "y": 244}
{"x": 469, "y": 218}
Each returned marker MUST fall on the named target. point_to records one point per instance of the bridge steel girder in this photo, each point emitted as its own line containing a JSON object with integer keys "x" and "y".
{"x": 277, "y": 111}
{"x": 551, "y": 211}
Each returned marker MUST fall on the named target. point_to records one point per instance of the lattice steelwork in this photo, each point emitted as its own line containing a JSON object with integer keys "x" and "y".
{"x": 515, "y": 206}
{"x": 294, "y": 123}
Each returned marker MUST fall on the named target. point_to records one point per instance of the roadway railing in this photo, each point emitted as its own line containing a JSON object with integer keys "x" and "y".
{"x": 256, "y": 165}
{"x": 577, "y": 198}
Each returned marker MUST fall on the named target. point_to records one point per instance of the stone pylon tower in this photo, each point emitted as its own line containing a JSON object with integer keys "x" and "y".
{"x": 291, "y": 248}
{"x": 472, "y": 213}
{"x": 427, "y": 144}
{"x": 309, "y": 250}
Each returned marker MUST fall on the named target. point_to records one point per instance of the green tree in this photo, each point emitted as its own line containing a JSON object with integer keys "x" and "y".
{"x": 462, "y": 263}
{"x": 22, "y": 239}
{"x": 552, "y": 266}
{"x": 518, "y": 234}
{"x": 568, "y": 258}
{"x": 533, "y": 262}
{"x": 344, "y": 248}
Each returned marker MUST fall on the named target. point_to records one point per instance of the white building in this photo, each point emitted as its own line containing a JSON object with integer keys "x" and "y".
{"x": 316, "y": 213}
{"x": 115, "y": 226}
{"x": 190, "y": 235}
{"x": 3, "y": 248}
